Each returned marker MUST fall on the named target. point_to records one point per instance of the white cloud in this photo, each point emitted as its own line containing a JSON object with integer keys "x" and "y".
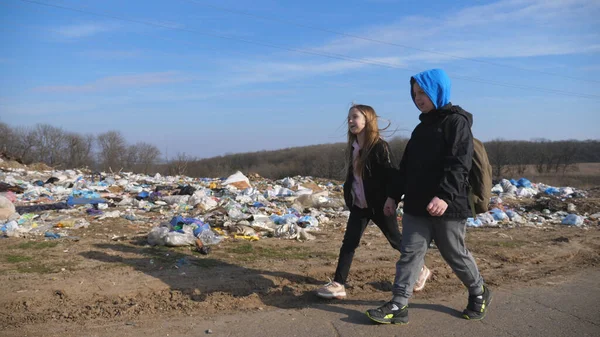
{"x": 115, "y": 82}
{"x": 504, "y": 29}
{"x": 85, "y": 29}
{"x": 44, "y": 108}
{"x": 263, "y": 72}
{"x": 512, "y": 28}
{"x": 111, "y": 54}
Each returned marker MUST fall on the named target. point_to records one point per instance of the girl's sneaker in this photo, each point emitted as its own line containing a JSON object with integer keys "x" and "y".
{"x": 332, "y": 290}
{"x": 423, "y": 277}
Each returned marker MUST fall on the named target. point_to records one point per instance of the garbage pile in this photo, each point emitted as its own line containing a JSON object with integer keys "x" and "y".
{"x": 186, "y": 211}
{"x": 204, "y": 211}
{"x": 508, "y": 207}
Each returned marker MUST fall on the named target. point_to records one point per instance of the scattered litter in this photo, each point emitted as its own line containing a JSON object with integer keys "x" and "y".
{"x": 573, "y": 220}
{"x": 202, "y": 212}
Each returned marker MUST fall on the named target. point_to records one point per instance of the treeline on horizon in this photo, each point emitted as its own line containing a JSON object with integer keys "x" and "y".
{"x": 109, "y": 151}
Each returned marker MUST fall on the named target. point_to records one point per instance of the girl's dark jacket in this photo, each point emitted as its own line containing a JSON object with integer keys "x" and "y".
{"x": 375, "y": 175}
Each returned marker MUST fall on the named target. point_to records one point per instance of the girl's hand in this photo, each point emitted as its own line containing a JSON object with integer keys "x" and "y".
{"x": 437, "y": 207}
{"x": 390, "y": 207}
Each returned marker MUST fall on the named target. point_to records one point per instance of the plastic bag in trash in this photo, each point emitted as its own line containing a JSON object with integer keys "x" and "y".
{"x": 201, "y": 228}
{"x": 308, "y": 221}
{"x": 200, "y": 199}
{"x": 178, "y": 222}
{"x": 113, "y": 214}
{"x": 10, "y": 229}
{"x": 474, "y": 222}
{"x": 175, "y": 199}
{"x": 293, "y": 231}
{"x": 506, "y": 184}
{"x": 497, "y": 189}
{"x": 566, "y": 191}
{"x": 163, "y": 236}
{"x": 573, "y": 220}
{"x": 267, "y": 226}
{"x": 6, "y": 208}
{"x": 239, "y": 180}
{"x": 498, "y": 214}
{"x": 552, "y": 191}
{"x": 526, "y": 192}
{"x": 278, "y": 191}
{"x": 157, "y": 235}
{"x": 208, "y": 237}
{"x": 85, "y": 194}
{"x": 495, "y": 200}
{"x": 179, "y": 239}
{"x": 523, "y": 183}
{"x": 286, "y": 219}
{"x": 236, "y": 214}
{"x": 288, "y": 182}
{"x": 514, "y": 216}
{"x": 487, "y": 219}
{"x": 72, "y": 201}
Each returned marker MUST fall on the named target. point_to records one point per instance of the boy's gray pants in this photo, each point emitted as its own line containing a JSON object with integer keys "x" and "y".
{"x": 449, "y": 236}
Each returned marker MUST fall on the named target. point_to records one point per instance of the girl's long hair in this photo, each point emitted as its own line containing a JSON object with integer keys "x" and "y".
{"x": 372, "y": 135}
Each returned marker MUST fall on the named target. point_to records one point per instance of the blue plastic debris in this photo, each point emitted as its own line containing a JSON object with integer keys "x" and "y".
{"x": 71, "y": 201}
{"x": 51, "y": 235}
{"x": 573, "y": 220}
{"x": 523, "y": 183}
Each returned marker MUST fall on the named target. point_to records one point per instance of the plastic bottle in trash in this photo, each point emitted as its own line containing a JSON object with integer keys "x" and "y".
{"x": 208, "y": 237}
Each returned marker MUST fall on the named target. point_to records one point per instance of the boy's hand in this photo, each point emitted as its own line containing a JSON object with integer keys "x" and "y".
{"x": 436, "y": 207}
{"x": 390, "y": 207}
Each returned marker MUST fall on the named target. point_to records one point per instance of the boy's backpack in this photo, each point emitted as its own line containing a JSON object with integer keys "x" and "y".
{"x": 480, "y": 179}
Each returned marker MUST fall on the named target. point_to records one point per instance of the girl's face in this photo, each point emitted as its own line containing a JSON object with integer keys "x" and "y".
{"x": 356, "y": 121}
{"x": 421, "y": 99}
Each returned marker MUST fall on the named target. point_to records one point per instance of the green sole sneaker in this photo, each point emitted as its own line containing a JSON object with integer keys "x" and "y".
{"x": 389, "y": 313}
{"x": 478, "y": 306}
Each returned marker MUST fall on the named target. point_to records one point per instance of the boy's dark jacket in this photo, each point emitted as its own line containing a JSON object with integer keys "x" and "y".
{"x": 438, "y": 156}
{"x": 375, "y": 177}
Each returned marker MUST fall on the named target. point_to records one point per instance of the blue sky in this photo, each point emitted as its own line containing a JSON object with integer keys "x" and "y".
{"x": 175, "y": 83}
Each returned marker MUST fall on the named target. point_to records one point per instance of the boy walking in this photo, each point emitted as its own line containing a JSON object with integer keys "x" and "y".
{"x": 433, "y": 177}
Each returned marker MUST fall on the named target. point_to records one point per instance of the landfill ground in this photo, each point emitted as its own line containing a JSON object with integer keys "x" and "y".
{"x": 110, "y": 276}
{"x": 80, "y": 272}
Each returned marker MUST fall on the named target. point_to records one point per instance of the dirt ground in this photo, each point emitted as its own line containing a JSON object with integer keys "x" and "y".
{"x": 108, "y": 274}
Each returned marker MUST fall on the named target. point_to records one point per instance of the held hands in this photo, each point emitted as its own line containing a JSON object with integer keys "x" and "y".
{"x": 390, "y": 207}
{"x": 436, "y": 207}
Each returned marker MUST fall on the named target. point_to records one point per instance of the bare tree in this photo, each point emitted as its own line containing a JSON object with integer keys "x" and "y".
{"x": 26, "y": 140}
{"x": 148, "y": 154}
{"x": 498, "y": 153}
{"x": 566, "y": 153}
{"x": 520, "y": 157}
{"x": 112, "y": 149}
{"x": 179, "y": 165}
{"x": 130, "y": 158}
{"x": 79, "y": 150}
{"x": 7, "y": 139}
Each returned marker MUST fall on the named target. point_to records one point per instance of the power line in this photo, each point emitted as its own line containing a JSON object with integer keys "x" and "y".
{"x": 357, "y": 37}
{"x": 308, "y": 52}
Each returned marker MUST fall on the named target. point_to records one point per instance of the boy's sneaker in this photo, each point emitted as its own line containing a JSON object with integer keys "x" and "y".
{"x": 389, "y": 313}
{"x": 423, "y": 277}
{"x": 478, "y": 305}
{"x": 332, "y": 290}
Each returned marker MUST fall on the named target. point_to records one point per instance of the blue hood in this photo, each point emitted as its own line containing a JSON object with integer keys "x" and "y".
{"x": 436, "y": 84}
